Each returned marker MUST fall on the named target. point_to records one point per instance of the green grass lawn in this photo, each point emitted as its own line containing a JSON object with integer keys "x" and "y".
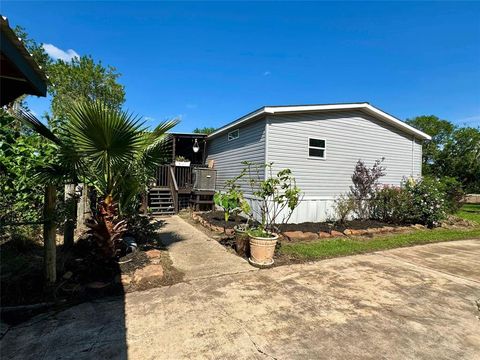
{"x": 349, "y": 246}
{"x": 470, "y": 212}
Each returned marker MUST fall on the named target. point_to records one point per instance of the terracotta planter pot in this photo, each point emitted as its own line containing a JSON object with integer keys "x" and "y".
{"x": 242, "y": 245}
{"x": 262, "y": 250}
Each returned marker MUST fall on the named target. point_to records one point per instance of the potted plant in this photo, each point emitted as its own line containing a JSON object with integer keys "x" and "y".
{"x": 232, "y": 202}
{"x": 182, "y": 161}
{"x": 277, "y": 195}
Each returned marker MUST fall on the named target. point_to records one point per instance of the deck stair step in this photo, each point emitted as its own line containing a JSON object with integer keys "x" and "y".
{"x": 160, "y": 201}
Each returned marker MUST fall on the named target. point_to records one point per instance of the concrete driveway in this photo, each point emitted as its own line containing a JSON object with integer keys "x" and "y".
{"x": 413, "y": 303}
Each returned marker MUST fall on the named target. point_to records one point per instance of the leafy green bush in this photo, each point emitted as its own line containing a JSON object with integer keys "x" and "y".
{"x": 428, "y": 201}
{"x": 343, "y": 206}
{"x": 414, "y": 202}
{"x": 231, "y": 200}
{"x": 452, "y": 188}
{"x": 21, "y": 154}
{"x": 277, "y": 194}
{"x": 392, "y": 204}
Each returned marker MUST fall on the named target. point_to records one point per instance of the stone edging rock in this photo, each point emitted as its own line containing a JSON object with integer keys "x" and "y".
{"x": 308, "y": 235}
{"x": 218, "y": 229}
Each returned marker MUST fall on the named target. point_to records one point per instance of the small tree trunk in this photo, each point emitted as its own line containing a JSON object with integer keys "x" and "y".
{"x": 50, "y": 268}
{"x": 71, "y": 218}
{"x": 83, "y": 209}
{"x": 144, "y": 203}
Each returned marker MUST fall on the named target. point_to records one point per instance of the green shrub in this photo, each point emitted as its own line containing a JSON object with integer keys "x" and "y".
{"x": 392, "y": 204}
{"x": 343, "y": 206}
{"x": 453, "y": 192}
{"x": 231, "y": 200}
{"x": 277, "y": 194}
{"x": 428, "y": 201}
{"x": 424, "y": 202}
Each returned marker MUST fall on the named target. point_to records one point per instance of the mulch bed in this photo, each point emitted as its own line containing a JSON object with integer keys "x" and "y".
{"x": 327, "y": 227}
{"x": 217, "y": 218}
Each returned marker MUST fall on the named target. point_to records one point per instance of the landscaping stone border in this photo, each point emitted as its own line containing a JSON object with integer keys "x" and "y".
{"x": 205, "y": 223}
{"x": 308, "y": 235}
{"x": 299, "y": 235}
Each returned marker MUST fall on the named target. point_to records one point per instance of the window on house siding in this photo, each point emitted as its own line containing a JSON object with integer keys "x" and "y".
{"x": 316, "y": 148}
{"x": 232, "y": 135}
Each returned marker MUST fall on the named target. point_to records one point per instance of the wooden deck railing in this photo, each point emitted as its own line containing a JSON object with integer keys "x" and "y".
{"x": 172, "y": 182}
{"x": 183, "y": 174}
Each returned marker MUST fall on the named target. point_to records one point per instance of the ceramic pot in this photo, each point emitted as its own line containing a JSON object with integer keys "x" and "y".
{"x": 262, "y": 250}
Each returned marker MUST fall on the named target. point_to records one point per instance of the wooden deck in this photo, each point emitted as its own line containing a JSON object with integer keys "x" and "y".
{"x": 180, "y": 185}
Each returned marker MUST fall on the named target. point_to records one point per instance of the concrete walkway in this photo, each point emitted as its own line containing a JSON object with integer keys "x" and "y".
{"x": 195, "y": 254}
{"x": 412, "y": 303}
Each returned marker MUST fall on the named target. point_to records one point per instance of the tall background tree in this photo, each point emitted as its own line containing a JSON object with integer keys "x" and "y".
{"x": 204, "y": 130}
{"x": 22, "y": 151}
{"x": 82, "y": 79}
{"x": 453, "y": 151}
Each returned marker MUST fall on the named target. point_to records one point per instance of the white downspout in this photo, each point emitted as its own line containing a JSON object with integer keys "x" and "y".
{"x": 413, "y": 156}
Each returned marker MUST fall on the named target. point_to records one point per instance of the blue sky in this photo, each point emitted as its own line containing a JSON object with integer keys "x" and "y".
{"x": 210, "y": 63}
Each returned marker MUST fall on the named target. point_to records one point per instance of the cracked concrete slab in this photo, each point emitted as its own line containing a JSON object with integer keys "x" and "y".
{"x": 391, "y": 305}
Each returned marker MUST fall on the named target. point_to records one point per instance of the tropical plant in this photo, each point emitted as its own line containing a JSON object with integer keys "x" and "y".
{"x": 231, "y": 199}
{"x": 110, "y": 150}
{"x": 365, "y": 184}
{"x": 277, "y": 195}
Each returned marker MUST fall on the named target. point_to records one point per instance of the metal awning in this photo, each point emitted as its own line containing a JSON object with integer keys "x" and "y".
{"x": 19, "y": 73}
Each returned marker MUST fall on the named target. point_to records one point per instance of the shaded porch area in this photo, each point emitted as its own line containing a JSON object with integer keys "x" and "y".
{"x": 186, "y": 180}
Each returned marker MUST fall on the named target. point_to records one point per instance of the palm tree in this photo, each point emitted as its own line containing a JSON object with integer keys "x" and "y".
{"x": 110, "y": 150}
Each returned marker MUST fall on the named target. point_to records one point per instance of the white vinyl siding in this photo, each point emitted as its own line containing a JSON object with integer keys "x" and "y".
{"x": 228, "y": 155}
{"x": 349, "y": 136}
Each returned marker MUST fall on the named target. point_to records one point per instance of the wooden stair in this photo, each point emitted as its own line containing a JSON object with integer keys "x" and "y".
{"x": 160, "y": 201}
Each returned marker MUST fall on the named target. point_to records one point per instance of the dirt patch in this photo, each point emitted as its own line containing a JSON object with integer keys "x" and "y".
{"x": 217, "y": 218}
{"x": 80, "y": 276}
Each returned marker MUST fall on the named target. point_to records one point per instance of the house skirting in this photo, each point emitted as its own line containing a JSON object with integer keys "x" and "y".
{"x": 309, "y": 210}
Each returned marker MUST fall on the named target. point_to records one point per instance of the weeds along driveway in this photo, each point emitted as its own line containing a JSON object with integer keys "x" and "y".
{"x": 402, "y": 304}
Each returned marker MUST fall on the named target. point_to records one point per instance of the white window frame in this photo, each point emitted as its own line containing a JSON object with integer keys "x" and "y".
{"x": 233, "y": 138}
{"x": 317, "y": 147}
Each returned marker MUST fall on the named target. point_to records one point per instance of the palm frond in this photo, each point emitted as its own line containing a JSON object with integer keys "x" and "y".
{"x": 107, "y": 136}
{"x": 30, "y": 120}
{"x": 157, "y": 145}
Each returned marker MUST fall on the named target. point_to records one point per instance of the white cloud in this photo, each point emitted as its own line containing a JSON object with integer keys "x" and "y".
{"x": 191, "y": 106}
{"x": 57, "y": 53}
{"x": 267, "y": 73}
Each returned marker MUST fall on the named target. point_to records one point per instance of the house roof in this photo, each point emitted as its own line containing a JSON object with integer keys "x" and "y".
{"x": 19, "y": 73}
{"x": 290, "y": 109}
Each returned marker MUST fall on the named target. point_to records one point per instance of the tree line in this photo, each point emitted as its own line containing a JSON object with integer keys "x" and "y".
{"x": 454, "y": 151}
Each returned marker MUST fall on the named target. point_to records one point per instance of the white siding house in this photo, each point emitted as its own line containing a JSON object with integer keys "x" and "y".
{"x": 321, "y": 145}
